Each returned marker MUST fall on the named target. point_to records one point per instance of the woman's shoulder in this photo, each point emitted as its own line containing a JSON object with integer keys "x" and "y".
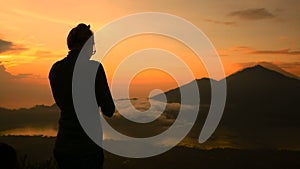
{"x": 56, "y": 66}
{"x": 98, "y": 64}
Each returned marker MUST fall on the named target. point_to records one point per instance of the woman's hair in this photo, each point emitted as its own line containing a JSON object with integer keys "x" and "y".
{"x": 78, "y": 36}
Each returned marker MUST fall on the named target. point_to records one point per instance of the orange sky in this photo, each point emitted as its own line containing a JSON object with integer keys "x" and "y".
{"x": 33, "y": 36}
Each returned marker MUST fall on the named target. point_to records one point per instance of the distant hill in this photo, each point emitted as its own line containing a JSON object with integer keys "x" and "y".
{"x": 262, "y": 108}
{"x": 262, "y": 87}
{"x": 248, "y": 83}
{"x": 274, "y": 67}
{"x": 39, "y": 116}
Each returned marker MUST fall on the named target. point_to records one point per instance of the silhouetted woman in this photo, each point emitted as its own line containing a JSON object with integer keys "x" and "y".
{"x": 73, "y": 148}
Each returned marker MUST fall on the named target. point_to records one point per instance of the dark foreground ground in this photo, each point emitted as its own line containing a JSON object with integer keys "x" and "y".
{"x": 36, "y": 153}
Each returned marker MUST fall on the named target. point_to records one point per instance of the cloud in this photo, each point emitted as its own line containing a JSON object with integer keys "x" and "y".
{"x": 228, "y": 23}
{"x": 249, "y": 50}
{"x": 4, "y": 45}
{"x": 7, "y": 76}
{"x": 48, "y": 54}
{"x": 10, "y": 47}
{"x": 290, "y": 65}
{"x": 286, "y": 51}
{"x": 252, "y": 14}
{"x": 19, "y": 91}
{"x": 135, "y": 126}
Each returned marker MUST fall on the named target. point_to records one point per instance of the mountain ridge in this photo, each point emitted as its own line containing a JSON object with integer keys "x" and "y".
{"x": 261, "y": 109}
{"x": 256, "y": 73}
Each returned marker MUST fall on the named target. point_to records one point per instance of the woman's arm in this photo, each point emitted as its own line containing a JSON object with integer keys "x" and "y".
{"x": 103, "y": 95}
